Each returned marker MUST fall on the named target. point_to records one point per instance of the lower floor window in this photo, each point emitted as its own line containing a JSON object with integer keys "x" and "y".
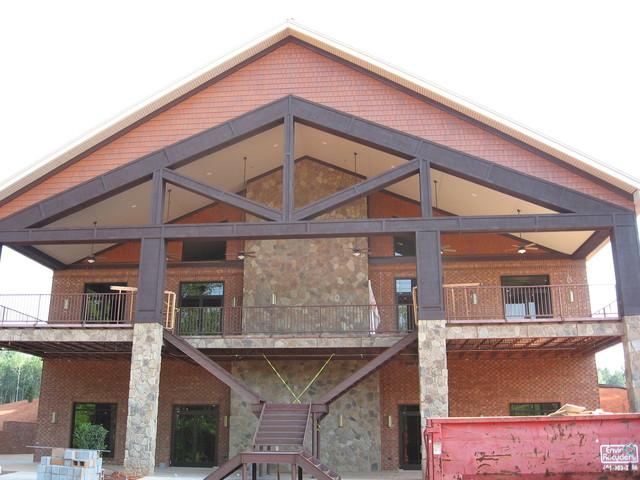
{"x": 532, "y": 409}
{"x": 96, "y": 414}
{"x": 195, "y": 436}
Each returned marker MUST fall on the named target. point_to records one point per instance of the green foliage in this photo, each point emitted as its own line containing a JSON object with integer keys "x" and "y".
{"x": 90, "y": 436}
{"x": 19, "y": 376}
{"x": 608, "y": 377}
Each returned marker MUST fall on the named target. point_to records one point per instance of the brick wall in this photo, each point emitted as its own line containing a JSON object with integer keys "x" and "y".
{"x": 295, "y": 69}
{"x": 15, "y": 436}
{"x": 481, "y": 386}
{"x": 614, "y": 399}
{"x": 485, "y": 387}
{"x": 183, "y": 383}
{"x": 67, "y": 381}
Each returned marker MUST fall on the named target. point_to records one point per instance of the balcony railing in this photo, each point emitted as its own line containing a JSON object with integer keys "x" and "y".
{"x": 307, "y": 319}
{"x": 75, "y": 308}
{"x": 477, "y": 303}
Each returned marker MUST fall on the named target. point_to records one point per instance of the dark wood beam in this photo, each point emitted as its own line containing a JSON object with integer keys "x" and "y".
{"x": 367, "y": 369}
{"x": 151, "y": 277}
{"x": 288, "y": 169}
{"x": 156, "y": 214}
{"x": 469, "y": 167}
{"x": 358, "y": 190}
{"x": 426, "y": 207}
{"x": 140, "y": 170}
{"x": 429, "y": 276}
{"x": 213, "y": 368}
{"x": 318, "y": 229}
{"x": 626, "y": 260}
{"x": 214, "y": 193}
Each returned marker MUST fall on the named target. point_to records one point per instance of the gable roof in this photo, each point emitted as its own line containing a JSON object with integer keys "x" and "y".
{"x": 438, "y": 94}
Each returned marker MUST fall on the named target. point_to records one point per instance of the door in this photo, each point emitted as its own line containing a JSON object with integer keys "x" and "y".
{"x": 102, "y": 304}
{"x": 195, "y": 436}
{"x": 103, "y": 414}
{"x": 410, "y": 438}
{"x": 201, "y": 308}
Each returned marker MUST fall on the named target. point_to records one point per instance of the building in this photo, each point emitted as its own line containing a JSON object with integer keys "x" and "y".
{"x": 614, "y": 398}
{"x": 256, "y": 235}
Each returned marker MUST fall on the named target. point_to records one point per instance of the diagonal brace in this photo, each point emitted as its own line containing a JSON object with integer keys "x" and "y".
{"x": 214, "y": 193}
{"x": 361, "y": 189}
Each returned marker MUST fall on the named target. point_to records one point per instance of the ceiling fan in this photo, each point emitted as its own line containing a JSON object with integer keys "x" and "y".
{"x": 243, "y": 254}
{"x": 523, "y": 247}
{"x": 447, "y": 249}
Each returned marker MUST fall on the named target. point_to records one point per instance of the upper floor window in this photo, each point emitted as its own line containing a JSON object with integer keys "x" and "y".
{"x": 201, "y": 308}
{"x": 531, "y": 409}
{"x": 404, "y": 302}
{"x": 203, "y": 250}
{"x": 404, "y": 246}
{"x": 102, "y": 304}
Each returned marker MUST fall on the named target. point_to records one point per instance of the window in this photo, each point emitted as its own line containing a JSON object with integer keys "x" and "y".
{"x": 201, "y": 308}
{"x": 527, "y": 296}
{"x": 203, "y": 250}
{"x": 404, "y": 246}
{"x": 195, "y": 436}
{"x": 102, "y": 304}
{"x": 404, "y": 302}
{"x": 532, "y": 409}
{"x": 96, "y": 414}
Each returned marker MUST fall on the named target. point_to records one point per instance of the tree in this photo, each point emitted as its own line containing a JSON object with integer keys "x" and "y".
{"x": 19, "y": 376}
{"x": 608, "y": 377}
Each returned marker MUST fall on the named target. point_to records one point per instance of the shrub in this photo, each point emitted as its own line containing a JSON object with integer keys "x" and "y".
{"x": 90, "y": 437}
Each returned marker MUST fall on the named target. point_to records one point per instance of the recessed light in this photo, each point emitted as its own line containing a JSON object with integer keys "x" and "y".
{"x": 134, "y": 205}
{"x": 474, "y": 195}
{"x": 209, "y": 174}
{"x": 324, "y": 143}
{"x": 275, "y": 145}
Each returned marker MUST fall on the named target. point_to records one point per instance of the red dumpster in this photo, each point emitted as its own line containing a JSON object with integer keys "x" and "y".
{"x": 573, "y": 447}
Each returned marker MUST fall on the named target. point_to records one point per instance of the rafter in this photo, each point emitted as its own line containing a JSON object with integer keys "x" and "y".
{"x": 359, "y": 190}
{"x": 214, "y": 193}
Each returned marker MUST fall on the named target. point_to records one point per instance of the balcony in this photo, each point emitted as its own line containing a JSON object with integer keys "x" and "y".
{"x": 474, "y": 303}
{"x": 468, "y": 303}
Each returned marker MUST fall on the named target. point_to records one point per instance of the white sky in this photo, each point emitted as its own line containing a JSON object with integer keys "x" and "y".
{"x": 566, "y": 69}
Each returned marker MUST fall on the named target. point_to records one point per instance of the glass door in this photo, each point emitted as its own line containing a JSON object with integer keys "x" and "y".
{"x": 410, "y": 438}
{"x": 195, "y": 436}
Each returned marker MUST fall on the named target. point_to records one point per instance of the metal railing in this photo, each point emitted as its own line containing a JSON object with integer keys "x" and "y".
{"x": 81, "y": 308}
{"x": 295, "y": 319}
{"x": 479, "y": 303}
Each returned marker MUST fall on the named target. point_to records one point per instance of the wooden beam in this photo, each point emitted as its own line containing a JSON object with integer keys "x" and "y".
{"x": 151, "y": 276}
{"x": 426, "y": 207}
{"x": 317, "y": 229}
{"x": 213, "y": 368}
{"x": 469, "y": 167}
{"x": 359, "y": 190}
{"x": 288, "y": 170}
{"x": 626, "y": 260}
{"x": 429, "y": 276}
{"x": 367, "y": 369}
{"x": 214, "y": 193}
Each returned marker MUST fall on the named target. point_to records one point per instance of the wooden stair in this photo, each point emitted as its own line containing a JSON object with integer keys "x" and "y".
{"x": 282, "y": 425}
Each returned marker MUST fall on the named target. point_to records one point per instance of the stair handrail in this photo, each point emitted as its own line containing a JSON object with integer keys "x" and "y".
{"x": 255, "y": 434}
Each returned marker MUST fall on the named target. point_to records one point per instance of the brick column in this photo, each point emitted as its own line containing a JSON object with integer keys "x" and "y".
{"x": 434, "y": 387}
{"x": 631, "y": 345}
{"x": 144, "y": 390}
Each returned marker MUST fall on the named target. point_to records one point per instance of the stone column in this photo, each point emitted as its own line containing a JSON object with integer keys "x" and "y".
{"x": 434, "y": 387}
{"x": 144, "y": 390}
{"x": 631, "y": 344}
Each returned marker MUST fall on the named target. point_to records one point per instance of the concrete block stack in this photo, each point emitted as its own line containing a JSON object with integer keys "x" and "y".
{"x": 70, "y": 464}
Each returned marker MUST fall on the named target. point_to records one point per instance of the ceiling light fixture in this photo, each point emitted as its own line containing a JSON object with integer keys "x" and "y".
{"x": 92, "y": 258}
{"x": 275, "y": 145}
{"x": 522, "y": 250}
{"x": 133, "y": 205}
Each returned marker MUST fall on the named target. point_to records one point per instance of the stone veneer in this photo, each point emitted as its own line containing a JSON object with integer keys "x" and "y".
{"x": 144, "y": 391}
{"x": 353, "y": 447}
{"x": 307, "y": 272}
{"x": 631, "y": 344}
{"x": 432, "y": 357}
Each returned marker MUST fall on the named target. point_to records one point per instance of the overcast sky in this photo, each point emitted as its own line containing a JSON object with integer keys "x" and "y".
{"x": 567, "y": 69}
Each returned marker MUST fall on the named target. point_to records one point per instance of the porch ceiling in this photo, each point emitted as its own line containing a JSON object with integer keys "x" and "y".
{"x": 264, "y": 151}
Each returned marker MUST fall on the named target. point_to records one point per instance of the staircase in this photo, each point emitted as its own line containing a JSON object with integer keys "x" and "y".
{"x": 281, "y": 425}
{"x": 279, "y": 438}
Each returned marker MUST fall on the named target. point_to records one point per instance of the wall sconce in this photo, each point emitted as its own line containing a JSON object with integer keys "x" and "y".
{"x": 225, "y": 421}
{"x": 340, "y": 421}
{"x": 389, "y": 421}
{"x": 571, "y": 296}
{"x": 65, "y": 304}
{"x": 234, "y": 301}
{"x": 54, "y": 417}
{"x": 474, "y": 298}
{"x": 273, "y": 299}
